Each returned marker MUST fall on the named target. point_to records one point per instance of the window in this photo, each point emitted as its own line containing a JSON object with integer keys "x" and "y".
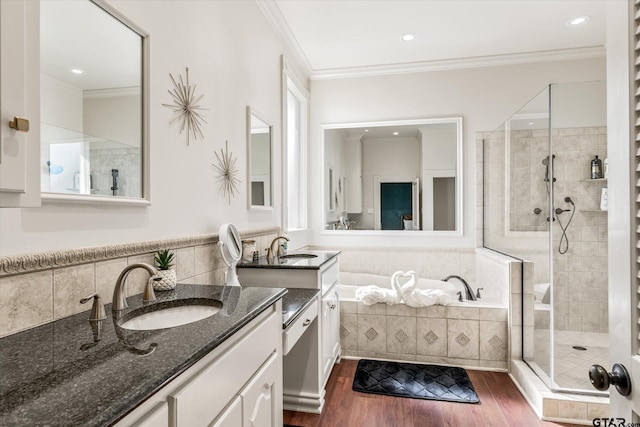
{"x": 296, "y": 163}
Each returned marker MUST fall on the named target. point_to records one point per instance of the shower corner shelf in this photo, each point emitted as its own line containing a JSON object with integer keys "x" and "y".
{"x": 592, "y": 210}
{"x": 594, "y": 180}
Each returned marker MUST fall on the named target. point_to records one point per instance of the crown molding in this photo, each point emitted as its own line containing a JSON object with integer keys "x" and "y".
{"x": 271, "y": 11}
{"x": 111, "y": 92}
{"x": 461, "y": 63}
{"x": 11, "y": 265}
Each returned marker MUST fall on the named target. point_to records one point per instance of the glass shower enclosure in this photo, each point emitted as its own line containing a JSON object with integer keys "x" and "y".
{"x": 544, "y": 201}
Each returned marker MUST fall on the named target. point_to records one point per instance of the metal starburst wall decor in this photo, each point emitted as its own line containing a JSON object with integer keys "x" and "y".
{"x": 185, "y": 106}
{"x": 227, "y": 172}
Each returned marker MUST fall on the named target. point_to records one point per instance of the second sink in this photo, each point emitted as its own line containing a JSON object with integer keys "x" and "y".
{"x": 297, "y": 256}
{"x": 170, "y": 314}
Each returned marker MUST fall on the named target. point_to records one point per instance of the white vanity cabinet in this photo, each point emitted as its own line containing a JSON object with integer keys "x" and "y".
{"x": 309, "y": 353}
{"x": 238, "y": 384}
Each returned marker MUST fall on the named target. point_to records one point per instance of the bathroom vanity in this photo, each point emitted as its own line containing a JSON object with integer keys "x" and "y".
{"x": 307, "y": 364}
{"x": 224, "y": 370}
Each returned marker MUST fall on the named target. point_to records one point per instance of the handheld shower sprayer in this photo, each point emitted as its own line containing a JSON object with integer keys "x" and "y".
{"x": 564, "y": 240}
{"x": 545, "y": 162}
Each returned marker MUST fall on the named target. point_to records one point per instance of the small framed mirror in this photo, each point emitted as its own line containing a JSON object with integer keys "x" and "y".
{"x": 259, "y": 159}
{"x": 93, "y": 104}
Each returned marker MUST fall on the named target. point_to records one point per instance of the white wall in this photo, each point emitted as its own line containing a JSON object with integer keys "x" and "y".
{"x": 385, "y": 157}
{"x": 122, "y": 110}
{"x": 484, "y": 97}
{"x": 62, "y": 104}
{"x": 233, "y": 57}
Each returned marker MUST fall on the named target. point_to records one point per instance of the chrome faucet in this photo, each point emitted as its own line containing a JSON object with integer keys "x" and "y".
{"x": 119, "y": 296}
{"x": 467, "y": 289}
{"x": 270, "y": 251}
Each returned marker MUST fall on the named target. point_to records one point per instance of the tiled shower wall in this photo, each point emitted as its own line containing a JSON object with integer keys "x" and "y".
{"x": 39, "y": 288}
{"x": 580, "y": 275}
{"x": 126, "y": 161}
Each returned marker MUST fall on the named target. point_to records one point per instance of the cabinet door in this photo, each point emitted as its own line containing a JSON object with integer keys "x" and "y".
{"x": 232, "y": 416}
{"x": 19, "y": 97}
{"x": 262, "y": 397}
{"x": 330, "y": 331}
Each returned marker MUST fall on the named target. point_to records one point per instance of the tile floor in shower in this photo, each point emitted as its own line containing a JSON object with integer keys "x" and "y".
{"x": 571, "y": 365}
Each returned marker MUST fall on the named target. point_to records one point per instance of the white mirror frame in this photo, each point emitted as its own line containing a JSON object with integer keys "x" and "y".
{"x": 250, "y": 206}
{"x": 459, "y": 178}
{"x": 145, "y": 176}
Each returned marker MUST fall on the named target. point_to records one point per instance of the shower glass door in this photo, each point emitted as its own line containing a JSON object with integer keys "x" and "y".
{"x": 518, "y": 183}
{"x": 544, "y": 203}
{"x": 579, "y": 234}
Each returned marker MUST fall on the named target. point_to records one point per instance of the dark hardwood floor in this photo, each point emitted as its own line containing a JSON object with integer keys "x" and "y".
{"x": 501, "y": 404}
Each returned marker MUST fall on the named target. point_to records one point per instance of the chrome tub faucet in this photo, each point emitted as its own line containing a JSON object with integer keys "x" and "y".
{"x": 469, "y": 295}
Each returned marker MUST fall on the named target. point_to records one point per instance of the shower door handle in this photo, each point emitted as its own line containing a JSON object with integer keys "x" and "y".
{"x": 619, "y": 377}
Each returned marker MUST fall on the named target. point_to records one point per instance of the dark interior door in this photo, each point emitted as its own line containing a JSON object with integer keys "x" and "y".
{"x": 395, "y": 201}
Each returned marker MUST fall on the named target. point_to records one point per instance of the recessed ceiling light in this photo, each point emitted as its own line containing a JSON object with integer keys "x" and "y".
{"x": 366, "y": 130}
{"x": 578, "y": 20}
{"x": 530, "y": 123}
{"x": 407, "y": 37}
{"x": 396, "y": 133}
{"x": 77, "y": 71}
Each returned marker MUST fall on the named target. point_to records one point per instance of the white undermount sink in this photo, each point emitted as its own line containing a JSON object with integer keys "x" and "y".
{"x": 171, "y": 316}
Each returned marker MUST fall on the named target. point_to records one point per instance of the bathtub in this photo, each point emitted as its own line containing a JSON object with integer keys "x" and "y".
{"x": 350, "y": 282}
{"x": 467, "y": 333}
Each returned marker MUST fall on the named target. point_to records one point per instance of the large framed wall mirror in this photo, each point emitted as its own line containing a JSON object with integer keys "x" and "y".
{"x": 259, "y": 158}
{"x": 93, "y": 109}
{"x": 396, "y": 175}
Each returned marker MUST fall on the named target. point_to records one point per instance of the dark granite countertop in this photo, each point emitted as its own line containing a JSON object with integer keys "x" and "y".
{"x": 61, "y": 374}
{"x": 294, "y": 302}
{"x": 297, "y": 263}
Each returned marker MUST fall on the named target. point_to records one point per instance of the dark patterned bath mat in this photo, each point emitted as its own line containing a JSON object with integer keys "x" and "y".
{"x": 413, "y": 380}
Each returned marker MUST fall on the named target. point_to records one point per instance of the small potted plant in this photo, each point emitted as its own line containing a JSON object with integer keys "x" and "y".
{"x": 164, "y": 262}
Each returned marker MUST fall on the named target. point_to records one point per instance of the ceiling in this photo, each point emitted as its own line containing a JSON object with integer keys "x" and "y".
{"x": 351, "y": 34}
{"x": 72, "y": 32}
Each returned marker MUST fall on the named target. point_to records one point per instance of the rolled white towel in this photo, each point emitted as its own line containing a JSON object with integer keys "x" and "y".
{"x": 372, "y": 294}
{"x": 427, "y": 297}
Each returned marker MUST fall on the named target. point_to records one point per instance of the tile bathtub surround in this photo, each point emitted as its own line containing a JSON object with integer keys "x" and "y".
{"x": 39, "y": 288}
{"x": 468, "y": 336}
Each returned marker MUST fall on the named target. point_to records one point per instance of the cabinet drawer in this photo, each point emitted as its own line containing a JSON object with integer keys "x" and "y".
{"x": 329, "y": 276}
{"x": 198, "y": 401}
{"x": 295, "y": 330}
